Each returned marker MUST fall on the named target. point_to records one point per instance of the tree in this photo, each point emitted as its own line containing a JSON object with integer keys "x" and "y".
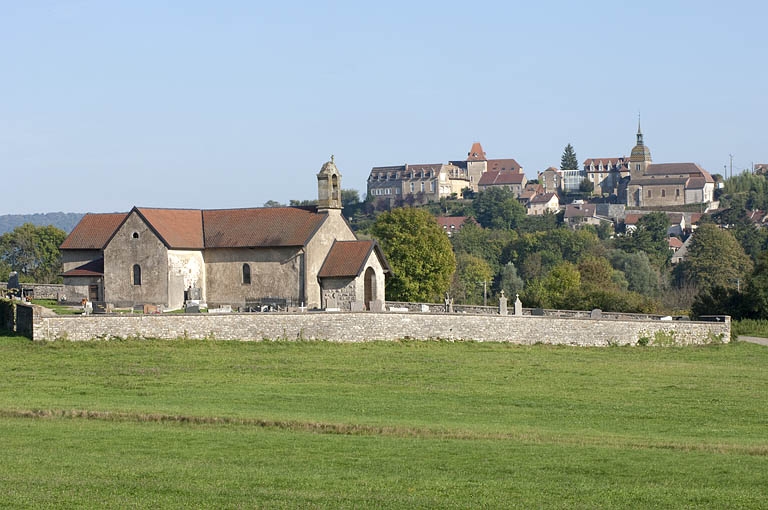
{"x": 419, "y": 253}
{"x": 349, "y": 197}
{"x": 509, "y": 281}
{"x": 586, "y": 186}
{"x": 716, "y": 259}
{"x": 273, "y": 203}
{"x": 468, "y": 279}
{"x": 649, "y": 237}
{"x": 568, "y": 161}
{"x": 33, "y": 252}
{"x": 498, "y": 208}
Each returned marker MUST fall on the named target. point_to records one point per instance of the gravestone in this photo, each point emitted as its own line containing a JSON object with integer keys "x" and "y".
{"x": 502, "y": 304}
{"x": 596, "y": 314}
{"x": 356, "y": 306}
{"x": 192, "y": 308}
{"x": 537, "y": 311}
{"x": 13, "y": 280}
{"x": 518, "y": 306}
{"x": 97, "y": 306}
{"x": 377, "y": 305}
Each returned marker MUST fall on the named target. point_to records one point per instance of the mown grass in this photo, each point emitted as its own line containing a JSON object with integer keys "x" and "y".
{"x": 57, "y": 307}
{"x": 412, "y": 424}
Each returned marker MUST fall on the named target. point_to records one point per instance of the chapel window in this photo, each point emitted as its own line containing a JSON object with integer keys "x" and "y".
{"x": 136, "y": 274}
{"x": 135, "y": 235}
{"x": 246, "y": 274}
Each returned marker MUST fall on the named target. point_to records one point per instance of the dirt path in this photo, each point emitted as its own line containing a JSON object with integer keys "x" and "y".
{"x": 754, "y": 340}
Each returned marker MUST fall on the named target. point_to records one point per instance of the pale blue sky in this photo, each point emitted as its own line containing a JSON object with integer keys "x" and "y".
{"x": 201, "y": 104}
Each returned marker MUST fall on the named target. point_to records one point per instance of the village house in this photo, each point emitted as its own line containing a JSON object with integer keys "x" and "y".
{"x": 284, "y": 256}
{"x": 551, "y": 180}
{"x": 543, "y": 204}
{"x": 451, "y": 224}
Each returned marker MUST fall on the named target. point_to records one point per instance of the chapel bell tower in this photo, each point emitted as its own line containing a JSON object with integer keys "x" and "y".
{"x": 328, "y": 187}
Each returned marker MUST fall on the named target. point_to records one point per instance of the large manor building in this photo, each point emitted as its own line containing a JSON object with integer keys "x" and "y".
{"x": 293, "y": 256}
{"x": 418, "y": 184}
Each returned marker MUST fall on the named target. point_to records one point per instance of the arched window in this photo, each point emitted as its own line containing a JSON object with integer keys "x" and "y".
{"x": 136, "y": 274}
{"x": 135, "y": 235}
{"x": 246, "y": 274}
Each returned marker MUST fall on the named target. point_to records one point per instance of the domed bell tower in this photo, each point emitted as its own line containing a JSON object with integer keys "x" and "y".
{"x": 328, "y": 187}
{"x": 640, "y": 157}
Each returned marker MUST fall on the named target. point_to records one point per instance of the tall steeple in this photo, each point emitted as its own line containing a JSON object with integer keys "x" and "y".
{"x": 640, "y": 157}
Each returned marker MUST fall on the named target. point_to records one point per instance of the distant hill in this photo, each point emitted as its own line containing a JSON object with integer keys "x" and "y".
{"x": 64, "y": 221}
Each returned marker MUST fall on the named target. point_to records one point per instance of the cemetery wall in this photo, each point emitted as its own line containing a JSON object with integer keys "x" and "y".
{"x": 368, "y": 326}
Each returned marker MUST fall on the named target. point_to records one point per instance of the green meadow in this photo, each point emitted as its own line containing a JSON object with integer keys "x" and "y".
{"x": 216, "y": 424}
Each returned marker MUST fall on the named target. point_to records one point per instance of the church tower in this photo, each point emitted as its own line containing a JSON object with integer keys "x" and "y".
{"x": 328, "y": 187}
{"x": 640, "y": 158}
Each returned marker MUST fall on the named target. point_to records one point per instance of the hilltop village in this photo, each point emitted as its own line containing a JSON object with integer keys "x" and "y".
{"x": 615, "y": 233}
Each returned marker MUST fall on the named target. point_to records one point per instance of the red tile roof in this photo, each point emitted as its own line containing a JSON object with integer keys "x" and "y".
{"x": 543, "y": 198}
{"x": 93, "y": 231}
{"x": 678, "y": 168}
{"x": 622, "y": 161}
{"x": 177, "y": 228}
{"x": 196, "y": 229}
{"x": 504, "y": 165}
{"x": 92, "y": 268}
{"x": 675, "y": 243}
{"x": 497, "y": 178}
{"x": 580, "y": 211}
{"x": 259, "y": 227}
{"x": 448, "y": 222}
{"x": 476, "y": 153}
{"x": 347, "y": 258}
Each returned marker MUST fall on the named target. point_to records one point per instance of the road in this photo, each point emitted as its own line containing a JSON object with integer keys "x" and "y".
{"x": 753, "y": 339}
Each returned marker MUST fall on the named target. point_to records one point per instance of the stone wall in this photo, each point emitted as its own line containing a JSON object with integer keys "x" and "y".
{"x": 39, "y": 290}
{"x": 365, "y": 326}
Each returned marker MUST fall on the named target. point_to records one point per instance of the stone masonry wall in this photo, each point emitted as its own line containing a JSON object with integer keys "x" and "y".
{"x": 365, "y": 326}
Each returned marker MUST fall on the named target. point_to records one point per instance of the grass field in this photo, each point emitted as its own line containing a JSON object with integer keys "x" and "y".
{"x": 414, "y": 424}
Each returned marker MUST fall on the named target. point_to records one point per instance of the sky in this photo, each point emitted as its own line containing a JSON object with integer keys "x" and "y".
{"x": 107, "y": 104}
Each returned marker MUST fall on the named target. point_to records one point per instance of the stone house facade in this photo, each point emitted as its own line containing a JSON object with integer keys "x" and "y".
{"x": 230, "y": 257}
{"x": 423, "y": 183}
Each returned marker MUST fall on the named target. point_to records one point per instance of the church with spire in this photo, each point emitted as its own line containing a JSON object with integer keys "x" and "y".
{"x": 665, "y": 184}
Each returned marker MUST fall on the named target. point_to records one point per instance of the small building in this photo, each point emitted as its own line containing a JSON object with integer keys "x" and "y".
{"x": 543, "y": 204}
{"x": 451, "y": 224}
{"x": 551, "y": 180}
{"x": 578, "y": 215}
